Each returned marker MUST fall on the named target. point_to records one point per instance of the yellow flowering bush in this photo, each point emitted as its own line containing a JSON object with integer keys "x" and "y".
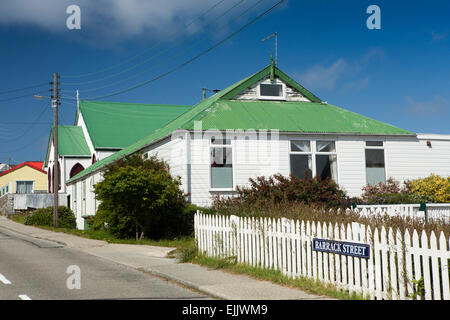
{"x": 433, "y": 186}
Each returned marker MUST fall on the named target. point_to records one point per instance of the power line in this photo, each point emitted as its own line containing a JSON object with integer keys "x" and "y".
{"x": 26, "y": 88}
{"x": 188, "y": 61}
{"x": 32, "y": 124}
{"x": 29, "y": 95}
{"x": 150, "y": 58}
{"x": 180, "y": 53}
{"x": 142, "y": 53}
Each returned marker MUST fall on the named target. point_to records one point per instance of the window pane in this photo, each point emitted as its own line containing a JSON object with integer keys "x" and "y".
{"x": 375, "y": 169}
{"x": 325, "y": 146}
{"x": 221, "y": 157}
{"x": 300, "y": 145}
{"x": 374, "y": 143}
{"x": 272, "y": 90}
{"x": 374, "y": 158}
{"x": 375, "y": 175}
{"x": 221, "y": 167}
{"x": 326, "y": 166}
{"x": 222, "y": 177}
{"x": 301, "y": 165}
{"x": 29, "y": 186}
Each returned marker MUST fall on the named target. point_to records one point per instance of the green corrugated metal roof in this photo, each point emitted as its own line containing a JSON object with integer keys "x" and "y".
{"x": 217, "y": 112}
{"x": 71, "y": 141}
{"x": 117, "y": 125}
{"x": 290, "y": 117}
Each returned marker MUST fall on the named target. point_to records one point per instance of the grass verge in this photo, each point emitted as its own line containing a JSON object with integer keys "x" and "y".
{"x": 189, "y": 253}
{"x": 106, "y": 236}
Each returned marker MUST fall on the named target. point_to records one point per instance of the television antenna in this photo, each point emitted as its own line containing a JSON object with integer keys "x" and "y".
{"x": 276, "y": 45}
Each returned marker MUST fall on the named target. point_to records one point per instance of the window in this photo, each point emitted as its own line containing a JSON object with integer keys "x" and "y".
{"x": 83, "y": 198}
{"x": 326, "y": 160}
{"x": 24, "y": 186}
{"x": 221, "y": 164}
{"x": 76, "y": 169}
{"x": 374, "y": 143}
{"x": 301, "y": 160}
{"x": 323, "y": 154}
{"x": 375, "y": 164}
{"x": 271, "y": 91}
{"x": 74, "y": 206}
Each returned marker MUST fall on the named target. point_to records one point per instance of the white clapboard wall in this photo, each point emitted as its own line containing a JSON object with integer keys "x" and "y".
{"x": 282, "y": 244}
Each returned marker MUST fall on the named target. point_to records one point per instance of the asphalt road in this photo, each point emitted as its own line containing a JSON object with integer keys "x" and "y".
{"x": 42, "y": 270}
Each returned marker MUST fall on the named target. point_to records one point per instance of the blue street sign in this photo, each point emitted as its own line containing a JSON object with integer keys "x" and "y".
{"x": 359, "y": 250}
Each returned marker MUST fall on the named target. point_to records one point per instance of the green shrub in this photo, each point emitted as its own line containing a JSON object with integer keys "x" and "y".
{"x": 139, "y": 197}
{"x": 44, "y": 217}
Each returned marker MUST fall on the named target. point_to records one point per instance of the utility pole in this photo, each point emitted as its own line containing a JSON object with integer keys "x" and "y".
{"x": 55, "y": 103}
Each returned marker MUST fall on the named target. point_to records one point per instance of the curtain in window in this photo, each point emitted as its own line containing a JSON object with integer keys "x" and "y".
{"x": 325, "y": 146}
{"x": 326, "y": 166}
{"x": 24, "y": 187}
{"x": 300, "y": 145}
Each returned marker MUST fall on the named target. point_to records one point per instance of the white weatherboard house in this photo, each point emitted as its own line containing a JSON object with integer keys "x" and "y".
{"x": 266, "y": 124}
{"x": 101, "y": 129}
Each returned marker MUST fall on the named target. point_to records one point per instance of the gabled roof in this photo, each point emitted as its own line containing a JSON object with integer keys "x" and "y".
{"x": 221, "y": 113}
{"x": 37, "y": 165}
{"x": 113, "y": 125}
{"x": 71, "y": 142}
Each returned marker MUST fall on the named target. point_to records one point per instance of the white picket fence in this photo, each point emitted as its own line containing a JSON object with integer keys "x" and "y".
{"x": 434, "y": 210}
{"x": 286, "y": 245}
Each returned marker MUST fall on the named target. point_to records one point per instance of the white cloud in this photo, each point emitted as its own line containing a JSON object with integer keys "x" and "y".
{"x": 324, "y": 77}
{"x": 341, "y": 74}
{"x": 438, "y": 105}
{"x": 114, "y": 19}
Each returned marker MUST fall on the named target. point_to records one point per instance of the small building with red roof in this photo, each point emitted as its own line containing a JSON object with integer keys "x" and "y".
{"x": 27, "y": 177}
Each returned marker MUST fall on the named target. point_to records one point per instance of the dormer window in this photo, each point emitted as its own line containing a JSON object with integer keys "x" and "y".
{"x": 271, "y": 91}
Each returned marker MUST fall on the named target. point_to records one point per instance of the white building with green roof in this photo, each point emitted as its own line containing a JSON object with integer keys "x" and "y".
{"x": 264, "y": 124}
{"x": 101, "y": 129}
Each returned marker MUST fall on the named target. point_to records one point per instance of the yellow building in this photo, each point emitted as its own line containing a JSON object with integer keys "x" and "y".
{"x": 27, "y": 177}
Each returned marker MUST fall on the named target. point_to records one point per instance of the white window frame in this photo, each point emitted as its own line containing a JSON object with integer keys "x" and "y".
{"x": 32, "y": 187}
{"x": 261, "y": 97}
{"x": 313, "y": 152}
{"x": 376, "y": 148}
{"x": 231, "y": 146}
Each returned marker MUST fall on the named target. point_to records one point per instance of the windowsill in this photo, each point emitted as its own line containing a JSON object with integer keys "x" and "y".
{"x": 221, "y": 189}
{"x": 274, "y": 98}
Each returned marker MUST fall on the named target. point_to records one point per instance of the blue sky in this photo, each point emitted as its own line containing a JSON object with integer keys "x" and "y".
{"x": 399, "y": 74}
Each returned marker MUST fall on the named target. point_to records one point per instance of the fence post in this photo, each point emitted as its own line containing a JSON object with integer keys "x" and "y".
{"x": 444, "y": 266}
{"x": 234, "y": 221}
